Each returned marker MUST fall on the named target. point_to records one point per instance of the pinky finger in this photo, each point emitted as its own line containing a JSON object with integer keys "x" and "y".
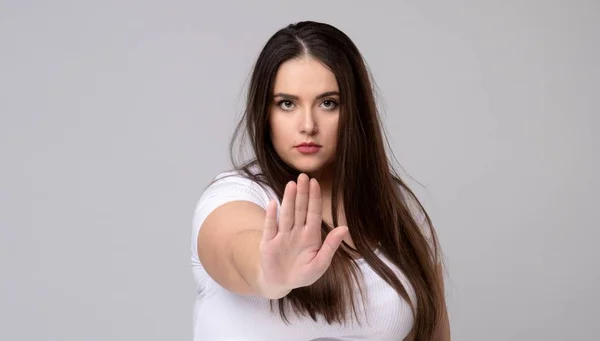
{"x": 270, "y": 228}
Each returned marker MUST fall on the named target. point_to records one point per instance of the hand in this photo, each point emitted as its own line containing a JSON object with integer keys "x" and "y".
{"x": 292, "y": 253}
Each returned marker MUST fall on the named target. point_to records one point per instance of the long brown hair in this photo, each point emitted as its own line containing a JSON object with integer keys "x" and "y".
{"x": 377, "y": 204}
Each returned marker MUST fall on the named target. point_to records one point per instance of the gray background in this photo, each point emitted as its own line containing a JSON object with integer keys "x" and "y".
{"x": 116, "y": 114}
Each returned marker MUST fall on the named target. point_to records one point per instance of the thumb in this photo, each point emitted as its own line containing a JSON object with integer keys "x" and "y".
{"x": 330, "y": 245}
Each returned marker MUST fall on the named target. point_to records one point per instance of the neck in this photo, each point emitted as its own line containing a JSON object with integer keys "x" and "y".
{"x": 325, "y": 178}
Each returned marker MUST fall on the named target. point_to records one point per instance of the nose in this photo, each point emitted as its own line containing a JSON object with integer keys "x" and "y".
{"x": 308, "y": 124}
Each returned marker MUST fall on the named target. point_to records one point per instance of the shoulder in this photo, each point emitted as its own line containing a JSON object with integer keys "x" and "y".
{"x": 226, "y": 187}
{"x": 231, "y": 185}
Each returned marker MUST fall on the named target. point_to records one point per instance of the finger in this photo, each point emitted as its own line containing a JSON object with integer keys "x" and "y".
{"x": 286, "y": 219}
{"x": 314, "y": 213}
{"x": 301, "y": 200}
{"x": 332, "y": 242}
{"x": 270, "y": 228}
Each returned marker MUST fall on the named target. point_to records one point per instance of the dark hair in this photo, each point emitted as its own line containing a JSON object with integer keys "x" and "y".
{"x": 377, "y": 204}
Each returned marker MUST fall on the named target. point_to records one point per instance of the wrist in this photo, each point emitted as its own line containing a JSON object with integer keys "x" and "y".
{"x": 269, "y": 291}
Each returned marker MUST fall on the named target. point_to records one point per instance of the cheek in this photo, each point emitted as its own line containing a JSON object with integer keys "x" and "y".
{"x": 278, "y": 132}
{"x": 332, "y": 130}
{"x": 281, "y": 124}
{"x": 274, "y": 128}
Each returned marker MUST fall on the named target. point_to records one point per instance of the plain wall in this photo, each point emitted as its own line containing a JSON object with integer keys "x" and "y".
{"x": 116, "y": 114}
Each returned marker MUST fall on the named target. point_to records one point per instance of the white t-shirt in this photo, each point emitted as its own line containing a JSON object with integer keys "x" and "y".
{"x": 222, "y": 315}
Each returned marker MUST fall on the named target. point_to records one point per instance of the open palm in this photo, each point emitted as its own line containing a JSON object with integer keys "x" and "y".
{"x": 292, "y": 253}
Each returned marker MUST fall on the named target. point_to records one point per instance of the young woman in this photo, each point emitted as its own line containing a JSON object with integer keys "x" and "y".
{"x": 316, "y": 238}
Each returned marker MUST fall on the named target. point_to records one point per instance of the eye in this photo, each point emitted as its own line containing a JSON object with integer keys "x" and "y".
{"x": 329, "y": 104}
{"x": 285, "y": 104}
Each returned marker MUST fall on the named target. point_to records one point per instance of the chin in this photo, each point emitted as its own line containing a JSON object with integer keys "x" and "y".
{"x": 308, "y": 167}
{"x": 303, "y": 168}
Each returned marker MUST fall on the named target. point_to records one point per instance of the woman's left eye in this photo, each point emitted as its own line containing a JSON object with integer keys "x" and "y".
{"x": 329, "y": 104}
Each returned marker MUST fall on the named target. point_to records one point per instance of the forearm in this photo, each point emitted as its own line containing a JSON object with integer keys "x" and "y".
{"x": 245, "y": 259}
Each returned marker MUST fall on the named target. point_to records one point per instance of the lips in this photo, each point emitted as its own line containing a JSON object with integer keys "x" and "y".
{"x": 308, "y": 144}
{"x": 308, "y": 148}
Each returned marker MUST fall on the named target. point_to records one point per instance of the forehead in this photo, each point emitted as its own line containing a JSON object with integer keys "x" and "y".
{"x": 304, "y": 76}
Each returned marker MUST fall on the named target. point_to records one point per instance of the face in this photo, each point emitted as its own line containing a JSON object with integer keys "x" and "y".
{"x": 304, "y": 115}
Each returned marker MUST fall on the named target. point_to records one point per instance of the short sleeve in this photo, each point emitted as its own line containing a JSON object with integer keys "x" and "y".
{"x": 222, "y": 190}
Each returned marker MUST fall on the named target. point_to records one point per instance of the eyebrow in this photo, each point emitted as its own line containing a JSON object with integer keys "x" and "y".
{"x": 293, "y": 97}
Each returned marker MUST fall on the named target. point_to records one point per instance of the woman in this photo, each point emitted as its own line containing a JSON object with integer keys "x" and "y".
{"x": 270, "y": 258}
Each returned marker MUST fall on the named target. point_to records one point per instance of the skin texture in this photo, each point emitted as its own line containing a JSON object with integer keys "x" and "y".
{"x": 307, "y": 117}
